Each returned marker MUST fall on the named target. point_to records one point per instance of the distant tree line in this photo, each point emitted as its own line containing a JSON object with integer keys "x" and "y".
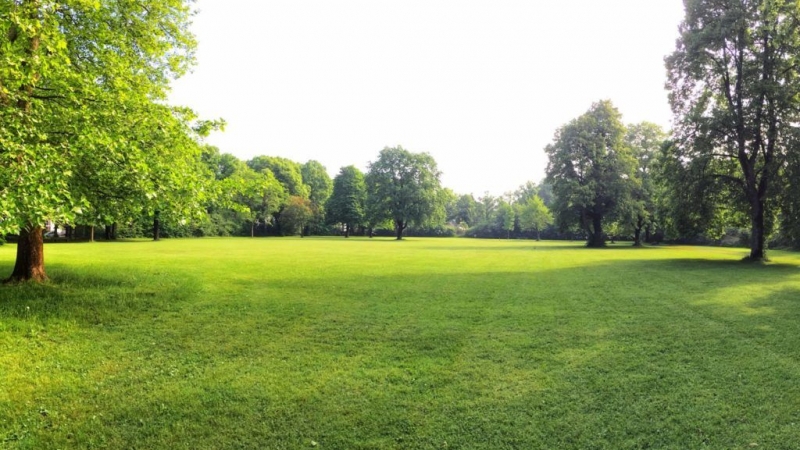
{"x": 88, "y": 144}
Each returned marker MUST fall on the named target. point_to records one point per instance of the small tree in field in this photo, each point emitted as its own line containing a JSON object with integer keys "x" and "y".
{"x": 534, "y": 216}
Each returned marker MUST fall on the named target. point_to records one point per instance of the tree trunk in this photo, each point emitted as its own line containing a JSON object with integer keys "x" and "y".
{"x": 114, "y": 231}
{"x": 91, "y": 233}
{"x": 68, "y": 230}
{"x": 538, "y": 235}
{"x": 156, "y": 226}
{"x": 253, "y": 229}
{"x": 637, "y": 237}
{"x": 399, "y": 227}
{"x": 758, "y": 251}
{"x": 108, "y": 232}
{"x": 596, "y": 238}
{"x": 55, "y": 231}
{"x": 371, "y": 232}
{"x": 30, "y": 256}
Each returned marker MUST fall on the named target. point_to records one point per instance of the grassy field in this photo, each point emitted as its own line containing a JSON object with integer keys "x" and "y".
{"x": 376, "y": 344}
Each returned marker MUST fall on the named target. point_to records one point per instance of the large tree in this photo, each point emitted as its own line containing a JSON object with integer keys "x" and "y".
{"x": 347, "y": 203}
{"x": 591, "y": 170}
{"x": 74, "y": 77}
{"x": 405, "y": 186}
{"x": 734, "y": 92}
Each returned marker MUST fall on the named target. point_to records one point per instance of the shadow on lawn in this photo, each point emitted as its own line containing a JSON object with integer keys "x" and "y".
{"x": 539, "y": 359}
{"x": 533, "y": 245}
{"x": 91, "y": 298}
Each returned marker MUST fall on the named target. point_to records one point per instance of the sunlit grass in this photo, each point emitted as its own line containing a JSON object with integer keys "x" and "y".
{"x": 358, "y": 343}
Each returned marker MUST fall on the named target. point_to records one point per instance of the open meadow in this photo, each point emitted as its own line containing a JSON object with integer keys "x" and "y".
{"x": 363, "y": 344}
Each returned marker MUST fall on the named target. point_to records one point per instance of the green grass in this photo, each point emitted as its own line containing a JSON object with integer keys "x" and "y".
{"x": 377, "y": 344}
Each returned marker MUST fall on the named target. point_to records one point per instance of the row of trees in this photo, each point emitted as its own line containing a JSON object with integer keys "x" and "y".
{"x": 87, "y": 138}
{"x": 732, "y": 159}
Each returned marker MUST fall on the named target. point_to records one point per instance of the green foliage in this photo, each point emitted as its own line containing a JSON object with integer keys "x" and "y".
{"x": 81, "y": 86}
{"x": 466, "y": 210}
{"x": 534, "y": 215}
{"x": 288, "y": 172}
{"x": 348, "y": 201}
{"x": 591, "y": 170}
{"x": 645, "y": 141}
{"x": 403, "y": 187}
{"x": 504, "y": 217}
{"x": 295, "y": 215}
{"x": 316, "y": 177}
{"x": 734, "y": 83}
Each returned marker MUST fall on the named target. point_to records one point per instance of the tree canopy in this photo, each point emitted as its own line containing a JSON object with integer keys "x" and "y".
{"x": 734, "y": 86}
{"x": 404, "y": 185}
{"x": 591, "y": 170}
{"x": 81, "y": 81}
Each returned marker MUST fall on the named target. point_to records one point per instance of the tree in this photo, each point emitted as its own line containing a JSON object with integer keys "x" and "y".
{"x": 466, "y": 210}
{"x": 295, "y": 215}
{"x": 261, "y": 194}
{"x": 404, "y": 185}
{"x": 734, "y": 93}
{"x": 288, "y": 172}
{"x": 504, "y": 217}
{"x": 534, "y": 215}
{"x": 75, "y": 76}
{"x": 347, "y": 202}
{"x": 316, "y": 177}
{"x": 644, "y": 140}
{"x": 590, "y": 168}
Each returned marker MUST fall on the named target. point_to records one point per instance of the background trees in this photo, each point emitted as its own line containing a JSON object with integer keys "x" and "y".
{"x": 534, "y": 215}
{"x": 591, "y": 170}
{"x": 348, "y": 201}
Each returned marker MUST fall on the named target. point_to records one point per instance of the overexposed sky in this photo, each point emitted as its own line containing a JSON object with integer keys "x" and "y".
{"x": 480, "y": 85}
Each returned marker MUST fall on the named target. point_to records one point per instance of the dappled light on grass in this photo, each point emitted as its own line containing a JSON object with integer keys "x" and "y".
{"x": 359, "y": 343}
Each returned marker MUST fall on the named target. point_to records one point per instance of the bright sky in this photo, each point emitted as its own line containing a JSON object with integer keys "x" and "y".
{"x": 480, "y": 85}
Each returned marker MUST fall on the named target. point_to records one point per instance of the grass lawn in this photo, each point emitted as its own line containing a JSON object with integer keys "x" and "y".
{"x": 375, "y": 344}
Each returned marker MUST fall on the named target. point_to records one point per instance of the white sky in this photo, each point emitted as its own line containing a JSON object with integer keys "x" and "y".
{"x": 480, "y": 85}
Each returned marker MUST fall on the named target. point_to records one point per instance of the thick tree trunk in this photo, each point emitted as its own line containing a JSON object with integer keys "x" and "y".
{"x": 114, "y": 231}
{"x": 758, "y": 251}
{"x": 596, "y": 238}
{"x": 156, "y": 226}
{"x": 637, "y": 237}
{"x": 371, "y": 232}
{"x": 346, "y": 230}
{"x": 399, "y": 227}
{"x": 30, "y": 256}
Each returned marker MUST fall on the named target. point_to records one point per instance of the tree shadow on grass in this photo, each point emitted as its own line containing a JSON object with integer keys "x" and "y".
{"x": 92, "y": 298}
{"x": 535, "y": 359}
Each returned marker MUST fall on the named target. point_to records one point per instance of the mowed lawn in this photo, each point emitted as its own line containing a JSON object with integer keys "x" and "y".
{"x": 355, "y": 343}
